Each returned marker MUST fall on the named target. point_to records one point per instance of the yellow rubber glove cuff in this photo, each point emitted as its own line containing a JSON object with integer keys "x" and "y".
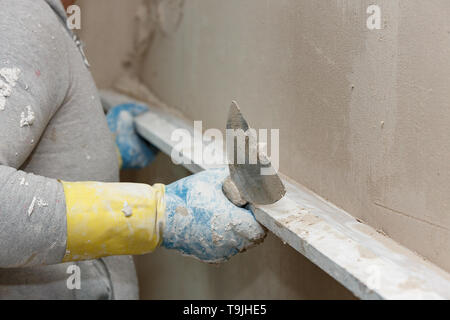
{"x": 107, "y": 219}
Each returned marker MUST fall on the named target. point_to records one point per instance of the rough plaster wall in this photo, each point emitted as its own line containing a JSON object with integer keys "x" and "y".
{"x": 364, "y": 115}
{"x": 107, "y": 29}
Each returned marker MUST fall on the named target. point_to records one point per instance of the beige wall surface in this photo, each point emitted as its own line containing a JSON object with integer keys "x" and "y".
{"x": 363, "y": 114}
{"x": 107, "y": 29}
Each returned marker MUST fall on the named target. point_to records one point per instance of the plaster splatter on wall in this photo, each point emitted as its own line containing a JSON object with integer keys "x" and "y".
{"x": 151, "y": 16}
{"x": 170, "y": 13}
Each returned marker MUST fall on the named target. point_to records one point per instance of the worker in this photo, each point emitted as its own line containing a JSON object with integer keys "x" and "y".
{"x": 60, "y": 203}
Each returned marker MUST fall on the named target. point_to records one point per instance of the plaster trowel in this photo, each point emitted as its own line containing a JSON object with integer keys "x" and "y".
{"x": 252, "y": 178}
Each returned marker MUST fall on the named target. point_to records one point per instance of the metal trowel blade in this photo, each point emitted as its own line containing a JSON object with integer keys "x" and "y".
{"x": 255, "y": 187}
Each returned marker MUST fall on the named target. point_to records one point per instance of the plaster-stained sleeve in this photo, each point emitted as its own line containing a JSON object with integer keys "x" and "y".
{"x": 34, "y": 80}
{"x": 32, "y": 219}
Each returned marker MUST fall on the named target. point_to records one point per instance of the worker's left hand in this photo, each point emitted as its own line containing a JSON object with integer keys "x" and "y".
{"x": 135, "y": 152}
{"x": 201, "y": 221}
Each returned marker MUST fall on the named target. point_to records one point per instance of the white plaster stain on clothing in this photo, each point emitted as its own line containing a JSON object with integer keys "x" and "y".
{"x": 23, "y": 182}
{"x": 36, "y": 201}
{"x": 5, "y": 89}
{"x": 8, "y": 80}
{"x": 31, "y": 207}
{"x": 2, "y": 102}
{"x": 41, "y": 203}
{"x": 11, "y": 75}
{"x": 27, "y": 117}
{"x": 5, "y": 92}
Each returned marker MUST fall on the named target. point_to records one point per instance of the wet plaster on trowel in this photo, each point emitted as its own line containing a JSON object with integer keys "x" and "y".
{"x": 232, "y": 193}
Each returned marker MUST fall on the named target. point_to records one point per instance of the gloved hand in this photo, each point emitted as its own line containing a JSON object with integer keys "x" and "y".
{"x": 135, "y": 152}
{"x": 202, "y": 222}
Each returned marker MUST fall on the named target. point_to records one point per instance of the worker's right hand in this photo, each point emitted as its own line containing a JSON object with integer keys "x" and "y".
{"x": 201, "y": 221}
{"x": 135, "y": 152}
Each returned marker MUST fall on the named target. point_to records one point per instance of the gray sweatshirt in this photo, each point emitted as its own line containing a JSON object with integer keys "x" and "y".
{"x": 51, "y": 127}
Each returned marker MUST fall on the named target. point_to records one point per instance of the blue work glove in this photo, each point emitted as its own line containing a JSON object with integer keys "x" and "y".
{"x": 135, "y": 152}
{"x": 201, "y": 221}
